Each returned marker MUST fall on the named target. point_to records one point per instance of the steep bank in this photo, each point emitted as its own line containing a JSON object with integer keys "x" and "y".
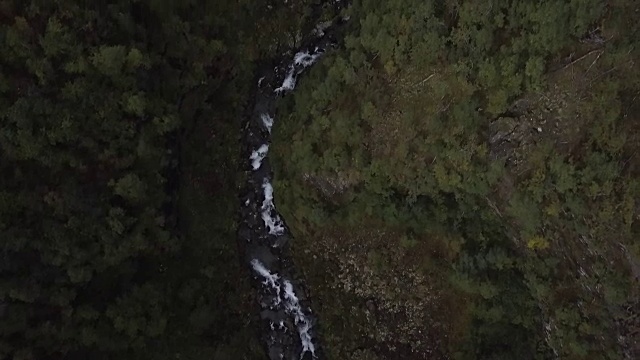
{"x": 288, "y": 324}
{"x": 474, "y": 177}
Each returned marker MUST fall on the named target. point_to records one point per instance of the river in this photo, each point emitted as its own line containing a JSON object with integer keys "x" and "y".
{"x": 288, "y": 325}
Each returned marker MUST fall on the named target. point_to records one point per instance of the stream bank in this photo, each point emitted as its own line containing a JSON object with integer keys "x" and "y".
{"x": 288, "y": 325}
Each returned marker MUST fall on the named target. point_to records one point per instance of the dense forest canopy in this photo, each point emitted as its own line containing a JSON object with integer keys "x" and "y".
{"x": 496, "y": 139}
{"x": 118, "y": 142}
{"x": 461, "y": 177}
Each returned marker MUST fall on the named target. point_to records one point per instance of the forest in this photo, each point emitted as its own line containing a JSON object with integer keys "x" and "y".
{"x": 119, "y": 149}
{"x": 461, "y": 178}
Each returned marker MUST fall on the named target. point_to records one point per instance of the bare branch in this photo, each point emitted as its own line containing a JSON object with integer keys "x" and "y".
{"x": 594, "y": 61}
{"x": 582, "y": 57}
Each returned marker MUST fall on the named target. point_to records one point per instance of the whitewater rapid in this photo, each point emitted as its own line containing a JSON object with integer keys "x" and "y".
{"x": 288, "y": 327}
{"x": 288, "y": 324}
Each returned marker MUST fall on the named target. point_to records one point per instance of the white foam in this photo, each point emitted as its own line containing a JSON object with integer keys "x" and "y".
{"x": 304, "y": 59}
{"x": 291, "y": 305}
{"x": 268, "y": 194}
{"x": 258, "y": 155}
{"x": 289, "y": 82}
{"x": 271, "y": 280}
{"x": 303, "y": 324}
{"x": 267, "y": 120}
{"x": 273, "y": 223}
{"x": 284, "y": 294}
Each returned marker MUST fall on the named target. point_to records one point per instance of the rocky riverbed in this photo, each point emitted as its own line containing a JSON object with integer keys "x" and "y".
{"x": 288, "y": 326}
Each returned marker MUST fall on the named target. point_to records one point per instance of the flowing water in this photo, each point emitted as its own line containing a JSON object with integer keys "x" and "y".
{"x": 288, "y": 326}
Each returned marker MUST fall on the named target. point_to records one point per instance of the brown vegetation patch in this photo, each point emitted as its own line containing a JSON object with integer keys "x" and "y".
{"x": 379, "y": 295}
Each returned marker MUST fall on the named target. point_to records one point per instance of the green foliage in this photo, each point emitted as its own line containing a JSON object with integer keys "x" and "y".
{"x": 119, "y": 126}
{"x": 95, "y": 99}
{"x": 403, "y": 115}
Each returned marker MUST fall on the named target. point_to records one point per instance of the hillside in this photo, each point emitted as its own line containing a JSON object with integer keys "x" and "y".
{"x": 456, "y": 179}
{"x": 462, "y": 181}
